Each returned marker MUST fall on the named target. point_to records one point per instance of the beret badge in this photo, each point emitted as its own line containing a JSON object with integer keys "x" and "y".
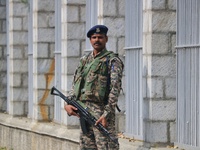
{"x": 98, "y": 30}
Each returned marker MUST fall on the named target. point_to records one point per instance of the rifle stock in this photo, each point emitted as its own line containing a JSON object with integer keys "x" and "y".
{"x": 84, "y": 113}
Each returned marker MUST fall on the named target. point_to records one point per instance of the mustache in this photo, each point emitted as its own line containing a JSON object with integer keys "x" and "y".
{"x": 97, "y": 43}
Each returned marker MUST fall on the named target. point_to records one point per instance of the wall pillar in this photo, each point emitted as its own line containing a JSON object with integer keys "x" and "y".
{"x": 17, "y": 65}
{"x": 159, "y": 70}
{"x": 41, "y": 56}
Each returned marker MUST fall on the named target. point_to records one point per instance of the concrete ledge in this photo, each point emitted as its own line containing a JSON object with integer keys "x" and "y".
{"x": 19, "y": 133}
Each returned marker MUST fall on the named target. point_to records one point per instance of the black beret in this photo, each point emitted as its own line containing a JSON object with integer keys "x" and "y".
{"x": 98, "y": 29}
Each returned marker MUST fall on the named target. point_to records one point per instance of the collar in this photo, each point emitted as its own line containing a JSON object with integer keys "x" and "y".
{"x": 94, "y": 56}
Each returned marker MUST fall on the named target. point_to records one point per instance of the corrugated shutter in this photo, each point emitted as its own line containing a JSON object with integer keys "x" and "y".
{"x": 133, "y": 68}
{"x": 188, "y": 73}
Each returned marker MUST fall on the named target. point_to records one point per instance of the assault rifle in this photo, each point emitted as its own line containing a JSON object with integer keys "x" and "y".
{"x": 85, "y": 115}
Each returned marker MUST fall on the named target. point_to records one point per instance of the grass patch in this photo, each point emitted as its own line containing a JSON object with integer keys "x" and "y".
{"x": 4, "y": 148}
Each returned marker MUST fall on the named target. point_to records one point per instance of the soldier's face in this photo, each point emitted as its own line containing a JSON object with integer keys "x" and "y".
{"x": 98, "y": 41}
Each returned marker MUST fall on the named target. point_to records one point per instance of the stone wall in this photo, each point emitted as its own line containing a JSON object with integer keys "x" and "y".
{"x": 3, "y": 52}
{"x": 29, "y": 51}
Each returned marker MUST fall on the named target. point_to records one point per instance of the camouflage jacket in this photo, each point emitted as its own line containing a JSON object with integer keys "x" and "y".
{"x": 99, "y": 79}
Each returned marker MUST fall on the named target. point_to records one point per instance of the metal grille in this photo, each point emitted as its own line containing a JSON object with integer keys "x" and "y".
{"x": 57, "y": 101}
{"x": 30, "y": 62}
{"x": 133, "y": 70}
{"x": 188, "y": 73}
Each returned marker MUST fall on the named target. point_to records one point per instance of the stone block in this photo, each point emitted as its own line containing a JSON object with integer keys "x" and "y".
{"x": 43, "y": 19}
{"x": 173, "y": 43}
{"x": 20, "y": 66}
{"x": 42, "y": 81}
{"x": 1, "y": 52}
{"x": 18, "y": 52}
{"x": 44, "y": 66}
{"x": 51, "y": 22}
{"x": 24, "y": 79}
{"x": 158, "y": 4}
{"x": 3, "y": 39}
{"x": 3, "y": 91}
{"x": 45, "y": 98}
{"x": 120, "y": 46}
{"x": 72, "y": 63}
{"x": 46, "y": 19}
{"x": 170, "y": 87}
{"x": 164, "y": 21}
{"x": 69, "y": 82}
{"x": 154, "y": 88}
{"x": 120, "y": 122}
{"x": 78, "y": 2}
{"x": 2, "y": 12}
{"x": 42, "y": 112}
{"x": 172, "y": 132}
{"x": 42, "y": 51}
{"x": 83, "y": 14}
{"x": 83, "y": 47}
{"x": 17, "y": 80}
{"x": 20, "y": 38}
{"x": 161, "y": 65}
{"x": 156, "y": 132}
{"x": 18, "y": 108}
{"x": 160, "y": 44}
{"x": 17, "y": 24}
{"x": 163, "y": 110}
{"x": 3, "y": 26}
{"x": 3, "y": 104}
{"x": 20, "y": 9}
{"x": 109, "y": 8}
{"x": 20, "y": 95}
{"x": 52, "y": 50}
{"x": 73, "y": 14}
{"x": 3, "y": 66}
{"x": 3, "y": 2}
{"x": 51, "y": 115}
{"x": 46, "y": 5}
{"x": 25, "y": 23}
{"x": 171, "y": 4}
{"x": 116, "y": 26}
{"x": 3, "y": 78}
{"x": 121, "y": 6}
{"x": 46, "y": 35}
{"x": 73, "y": 48}
{"x": 112, "y": 44}
{"x": 76, "y": 31}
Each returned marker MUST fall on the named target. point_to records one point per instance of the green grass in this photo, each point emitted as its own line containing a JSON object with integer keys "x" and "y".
{"x": 4, "y": 148}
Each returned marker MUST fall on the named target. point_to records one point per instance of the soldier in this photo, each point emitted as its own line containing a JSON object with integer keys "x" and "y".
{"x": 97, "y": 83}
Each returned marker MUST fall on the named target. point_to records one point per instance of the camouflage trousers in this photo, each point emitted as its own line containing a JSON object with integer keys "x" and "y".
{"x": 94, "y": 140}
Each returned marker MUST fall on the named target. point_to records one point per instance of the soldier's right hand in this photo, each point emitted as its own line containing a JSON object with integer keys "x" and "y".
{"x": 71, "y": 110}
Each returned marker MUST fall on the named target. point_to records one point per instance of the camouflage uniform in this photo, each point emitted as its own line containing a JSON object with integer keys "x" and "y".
{"x": 93, "y": 97}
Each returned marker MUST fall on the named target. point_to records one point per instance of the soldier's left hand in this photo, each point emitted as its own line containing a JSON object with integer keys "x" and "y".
{"x": 102, "y": 120}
